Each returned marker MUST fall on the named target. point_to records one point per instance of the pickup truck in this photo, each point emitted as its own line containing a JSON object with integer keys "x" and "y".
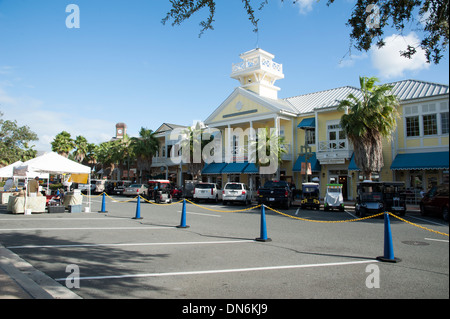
{"x": 275, "y": 192}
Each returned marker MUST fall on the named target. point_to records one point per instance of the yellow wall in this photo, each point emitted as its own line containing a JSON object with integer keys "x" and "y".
{"x": 247, "y": 105}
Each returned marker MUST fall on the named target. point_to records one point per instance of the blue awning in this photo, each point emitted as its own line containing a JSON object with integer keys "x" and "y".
{"x": 417, "y": 161}
{"x": 214, "y": 168}
{"x": 352, "y": 166}
{"x": 235, "y": 168}
{"x": 307, "y": 123}
{"x": 315, "y": 165}
{"x": 251, "y": 169}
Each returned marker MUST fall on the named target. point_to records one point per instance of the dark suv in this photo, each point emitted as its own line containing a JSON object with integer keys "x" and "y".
{"x": 436, "y": 201}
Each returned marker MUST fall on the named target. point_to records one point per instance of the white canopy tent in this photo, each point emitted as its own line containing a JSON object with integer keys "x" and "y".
{"x": 53, "y": 163}
{"x": 7, "y": 171}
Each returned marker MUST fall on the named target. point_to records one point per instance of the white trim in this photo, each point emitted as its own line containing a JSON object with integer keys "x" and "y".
{"x": 251, "y": 96}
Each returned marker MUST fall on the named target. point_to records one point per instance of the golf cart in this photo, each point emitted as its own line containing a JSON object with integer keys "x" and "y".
{"x": 310, "y": 196}
{"x": 159, "y": 191}
{"x": 334, "y": 199}
{"x": 378, "y": 197}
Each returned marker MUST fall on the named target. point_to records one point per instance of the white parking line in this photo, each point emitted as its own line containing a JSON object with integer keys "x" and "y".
{"x": 65, "y": 218}
{"x": 221, "y": 271}
{"x": 85, "y": 228}
{"x": 202, "y": 214}
{"x": 428, "y": 221}
{"x": 351, "y": 215}
{"x": 441, "y": 240}
{"x": 134, "y": 244}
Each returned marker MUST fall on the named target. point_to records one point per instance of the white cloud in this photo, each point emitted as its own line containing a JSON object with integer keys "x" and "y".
{"x": 305, "y": 5}
{"x": 390, "y": 63}
{"x": 350, "y": 61}
{"x": 47, "y": 121}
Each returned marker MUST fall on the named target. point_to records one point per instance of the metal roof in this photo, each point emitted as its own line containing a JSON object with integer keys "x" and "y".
{"x": 405, "y": 90}
{"x": 308, "y": 102}
{"x": 413, "y": 89}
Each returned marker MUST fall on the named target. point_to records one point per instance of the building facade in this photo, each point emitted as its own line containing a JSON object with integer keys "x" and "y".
{"x": 417, "y": 153}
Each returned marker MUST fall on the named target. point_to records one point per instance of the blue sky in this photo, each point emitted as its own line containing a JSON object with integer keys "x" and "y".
{"x": 124, "y": 65}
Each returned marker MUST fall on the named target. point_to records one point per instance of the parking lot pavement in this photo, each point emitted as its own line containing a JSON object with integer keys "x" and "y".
{"x": 115, "y": 256}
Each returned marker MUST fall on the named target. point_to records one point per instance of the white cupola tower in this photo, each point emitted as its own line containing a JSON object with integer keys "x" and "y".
{"x": 258, "y": 73}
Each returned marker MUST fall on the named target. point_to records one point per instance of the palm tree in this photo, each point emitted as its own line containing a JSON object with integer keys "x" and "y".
{"x": 81, "y": 148}
{"x": 272, "y": 150}
{"x": 194, "y": 142}
{"x": 369, "y": 120}
{"x": 143, "y": 148}
{"x": 91, "y": 154}
{"x": 63, "y": 144}
{"x": 105, "y": 156}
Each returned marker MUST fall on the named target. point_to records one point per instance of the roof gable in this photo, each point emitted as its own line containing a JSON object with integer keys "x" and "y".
{"x": 242, "y": 102}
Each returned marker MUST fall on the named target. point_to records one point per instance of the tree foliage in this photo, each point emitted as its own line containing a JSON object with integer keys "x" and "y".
{"x": 432, "y": 21}
{"x": 367, "y": 121}
{"x": 399, "y": 14}
{"x": 63, "y": 144}
{"x": 144, "y": 148}
{"x": 15, "y": 142}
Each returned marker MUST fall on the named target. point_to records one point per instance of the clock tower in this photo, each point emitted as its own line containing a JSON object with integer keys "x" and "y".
{"x": 258, "y": 72}
{"x": 121, "y": 130}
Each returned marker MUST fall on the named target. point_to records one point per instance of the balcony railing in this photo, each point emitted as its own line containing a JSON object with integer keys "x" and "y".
{"x": 329, "y": 146}
{"x": 334, "y": 152}
{"x": 258, "y": 62}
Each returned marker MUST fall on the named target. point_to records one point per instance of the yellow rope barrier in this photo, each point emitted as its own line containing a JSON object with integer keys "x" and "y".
{"x": 324, "y": 221}
{"x": 120, "y": 201}
{"x": 223, "y": 211}
{"x": 165, "y": 204}
{"x": 358, "y": 219}
{"x": 424, "y": 228}
{"x": 92, "y": 196}
{"x": 283, "y": 214}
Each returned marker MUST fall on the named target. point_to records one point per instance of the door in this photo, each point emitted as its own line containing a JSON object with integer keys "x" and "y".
{"x": 336, "y": 137}
{"x": 343, "y": 181}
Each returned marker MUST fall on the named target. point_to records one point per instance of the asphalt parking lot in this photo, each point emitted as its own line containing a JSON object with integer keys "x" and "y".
{"x": 217, "y": 257}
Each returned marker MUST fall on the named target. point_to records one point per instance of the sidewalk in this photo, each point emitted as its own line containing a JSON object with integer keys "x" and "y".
{"x": 20, "y": 280}
{"x": 10, "y": 289}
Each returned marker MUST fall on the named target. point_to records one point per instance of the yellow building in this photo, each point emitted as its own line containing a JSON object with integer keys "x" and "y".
{"x": 310, "y": 124}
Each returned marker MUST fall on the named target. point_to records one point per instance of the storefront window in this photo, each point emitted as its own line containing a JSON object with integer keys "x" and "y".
{"x": 444, "y": 123}
{"x": 429, "y": 124}
{"x": 412, "y": 126}
{"x": 416, "y": 179}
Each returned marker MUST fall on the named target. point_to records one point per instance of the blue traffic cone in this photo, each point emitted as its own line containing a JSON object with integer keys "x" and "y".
{"x": 103, "y": 204}
{"x": 183, "y": 216}
{"x": 388, "y": 246}
{"x": 263, "y": 236}
{"x": 138, "y": 209}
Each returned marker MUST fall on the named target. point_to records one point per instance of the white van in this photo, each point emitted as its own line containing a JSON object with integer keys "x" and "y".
{"x": 236, "y": 192}
{"x": 206, "y": 191}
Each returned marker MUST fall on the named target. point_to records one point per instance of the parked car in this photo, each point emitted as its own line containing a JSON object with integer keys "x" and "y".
{"x": 119, "y": 187}
{"x": 236, "y": 192}
{"x": 333, "y": 198}
{"x": 310, "y": 196}
{"x": 436, "y": 201}
{"x": 275, "y": 192}
{"x": 159, "y": 190}
{"x": 378, "y": 197}
{"x": 135, "y": 189}
{"x": 206, "y": 191}
{"x": 109, "y": 186}
{"x": 176, "y": 192}
{"x": 188, "y": 191}
{"x": 100, "y": 186}
{"x": 84, "y": 188}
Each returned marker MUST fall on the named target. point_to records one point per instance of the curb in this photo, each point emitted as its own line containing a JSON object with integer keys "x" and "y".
{"x": 26, "y": 278}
